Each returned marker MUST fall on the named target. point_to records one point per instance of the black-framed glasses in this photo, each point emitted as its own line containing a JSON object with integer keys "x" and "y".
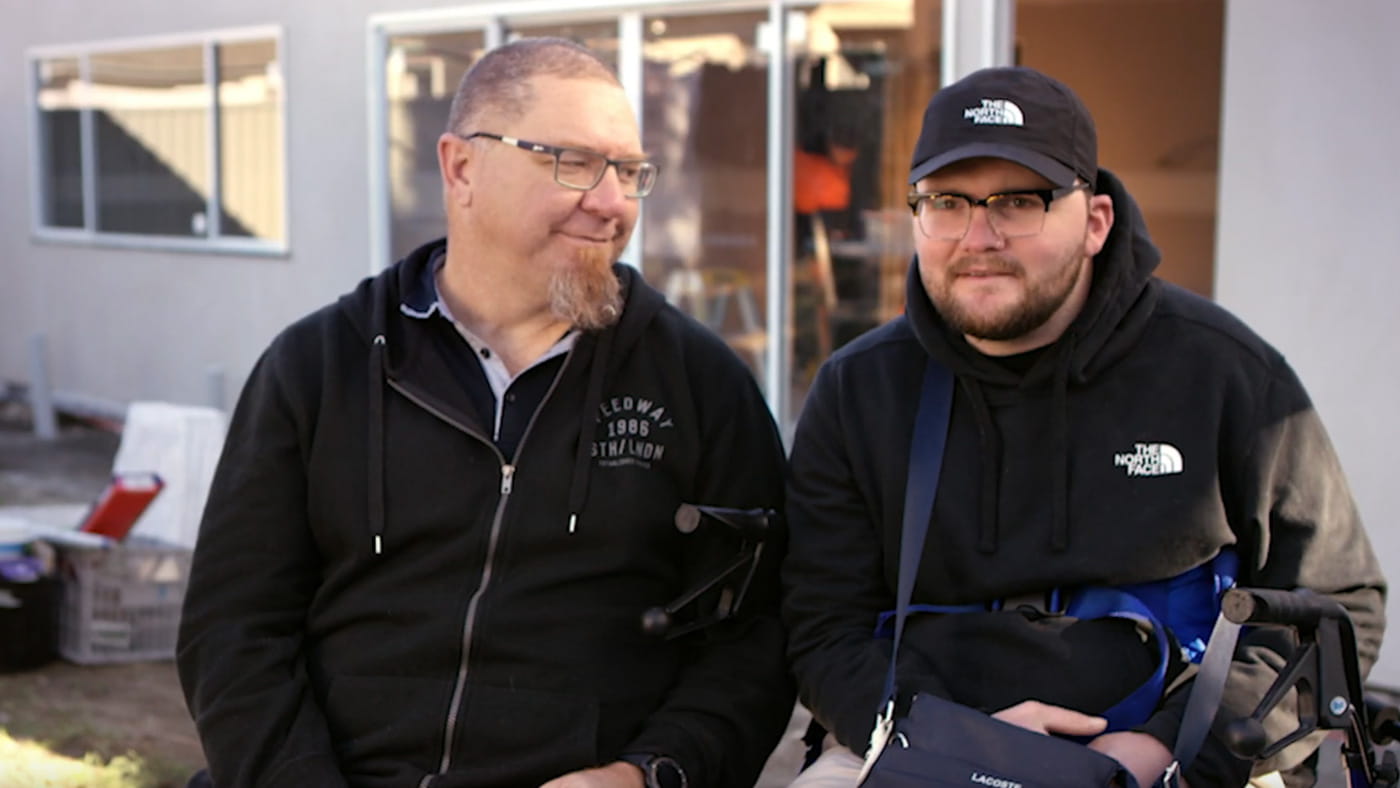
{"x": 945, "y": 216}
{"x": 575, "y": 168}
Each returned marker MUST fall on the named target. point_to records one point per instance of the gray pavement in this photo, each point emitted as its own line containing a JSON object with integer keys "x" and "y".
{"x": 72, "y": 468}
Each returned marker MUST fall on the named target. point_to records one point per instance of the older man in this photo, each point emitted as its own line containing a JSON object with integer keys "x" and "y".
{"x": 447, "y": 499}
{"x": 1107, "y": 430}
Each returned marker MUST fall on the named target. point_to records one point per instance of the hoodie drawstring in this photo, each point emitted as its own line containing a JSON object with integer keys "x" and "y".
{"x": 990, "y": 446}
{"x": 375, "y": 483}
{"x": 583, "y": 456}
{"x": 1059, "y": 450}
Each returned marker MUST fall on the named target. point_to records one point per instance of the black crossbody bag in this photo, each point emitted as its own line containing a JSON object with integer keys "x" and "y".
{"x": 925, "y": 741}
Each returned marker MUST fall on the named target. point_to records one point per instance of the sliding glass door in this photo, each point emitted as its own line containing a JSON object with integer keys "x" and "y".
{"x": 855, "y": 80}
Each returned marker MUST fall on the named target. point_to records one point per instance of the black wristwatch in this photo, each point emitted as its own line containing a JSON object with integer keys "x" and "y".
{"x": 659, "y": 771}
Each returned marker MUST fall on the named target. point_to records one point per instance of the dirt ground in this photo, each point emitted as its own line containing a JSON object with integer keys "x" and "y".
{"x": 110, "y": 710}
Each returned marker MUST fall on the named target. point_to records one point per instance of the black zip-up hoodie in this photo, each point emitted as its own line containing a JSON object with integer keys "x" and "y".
{"x": 1063, "y": 477}
{"x": 379, "y": 598}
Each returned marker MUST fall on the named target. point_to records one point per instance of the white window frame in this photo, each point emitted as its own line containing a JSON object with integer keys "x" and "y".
{"x": 89, "y": 234}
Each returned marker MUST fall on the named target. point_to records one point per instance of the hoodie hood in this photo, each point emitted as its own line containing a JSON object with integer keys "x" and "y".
{"x": 1121, "y": 298}
{"x": 375, "y": 307}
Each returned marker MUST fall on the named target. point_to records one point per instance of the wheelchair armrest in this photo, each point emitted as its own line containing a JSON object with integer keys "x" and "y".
{"x": 731, "y": 580}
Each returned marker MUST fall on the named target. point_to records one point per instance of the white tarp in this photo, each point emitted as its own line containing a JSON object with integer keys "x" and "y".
{"x": 182, "y": 444}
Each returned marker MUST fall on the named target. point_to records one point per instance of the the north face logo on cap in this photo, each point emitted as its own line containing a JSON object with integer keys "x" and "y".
{"x": 996, "y": 112}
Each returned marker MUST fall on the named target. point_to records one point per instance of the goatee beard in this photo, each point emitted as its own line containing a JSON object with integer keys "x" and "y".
{"x": 587, "y": 293}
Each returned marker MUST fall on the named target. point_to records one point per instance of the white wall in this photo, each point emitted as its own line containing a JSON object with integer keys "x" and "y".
{"x": 1309, "y": 227}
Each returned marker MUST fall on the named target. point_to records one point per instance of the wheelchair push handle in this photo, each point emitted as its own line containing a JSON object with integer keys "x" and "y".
{"x": 1323, "y": 673}
{"x": 1279, "y": 607}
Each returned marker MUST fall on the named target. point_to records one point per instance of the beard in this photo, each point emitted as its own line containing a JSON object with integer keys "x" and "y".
{"x": 1039, "y": 300}
{"x": 585, "y": 292}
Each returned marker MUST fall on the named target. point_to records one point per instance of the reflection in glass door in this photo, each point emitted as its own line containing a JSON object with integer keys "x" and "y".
{"x": 421, "y": 76}
{"x": 705, "y": 123}
{"x": 862, "y": 74}
{"x": 599, "y": 35}
{"x": 421, "y": 73}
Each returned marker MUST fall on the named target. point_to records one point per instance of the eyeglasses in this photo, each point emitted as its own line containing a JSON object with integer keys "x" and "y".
{"x": 583, "y": 169}
{"x": 945, "y": 216}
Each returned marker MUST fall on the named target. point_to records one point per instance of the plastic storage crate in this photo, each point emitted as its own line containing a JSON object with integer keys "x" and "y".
{"x": 122, "y": 603}
{"x": 28, "y": 623}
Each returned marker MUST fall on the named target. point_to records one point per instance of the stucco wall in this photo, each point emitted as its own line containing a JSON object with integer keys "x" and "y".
{"x": 1308, "y": 228}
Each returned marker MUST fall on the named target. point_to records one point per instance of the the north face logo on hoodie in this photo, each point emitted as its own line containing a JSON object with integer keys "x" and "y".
{"x": 996, "y": 112}
{"x": 1151, "y": 459}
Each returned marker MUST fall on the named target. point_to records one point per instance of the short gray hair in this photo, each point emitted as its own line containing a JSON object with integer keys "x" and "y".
{"x": 499, "y": 81}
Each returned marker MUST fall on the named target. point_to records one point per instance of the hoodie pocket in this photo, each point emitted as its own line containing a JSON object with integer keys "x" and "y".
{"x": 525, "y": 736}
{"x": 377, "y": 720}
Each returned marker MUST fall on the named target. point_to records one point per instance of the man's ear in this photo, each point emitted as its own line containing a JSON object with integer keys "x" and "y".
{"x": 1100, "y": 222}
{"x": 454, "y": 157}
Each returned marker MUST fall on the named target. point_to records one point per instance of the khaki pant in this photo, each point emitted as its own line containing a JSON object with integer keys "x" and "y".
{"x": 838, "y": 767}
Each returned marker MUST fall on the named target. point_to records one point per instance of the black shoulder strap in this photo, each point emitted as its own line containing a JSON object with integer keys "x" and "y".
{"x": 925, "y": 465}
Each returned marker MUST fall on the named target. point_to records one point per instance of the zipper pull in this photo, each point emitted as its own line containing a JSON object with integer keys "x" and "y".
{"x": 507, "y": 478}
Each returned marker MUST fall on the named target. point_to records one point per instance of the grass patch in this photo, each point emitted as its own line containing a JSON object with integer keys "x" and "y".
{"x": 120, "y": 726}
{"x": 75, "y": 759}
{"x": 29, "y": 764}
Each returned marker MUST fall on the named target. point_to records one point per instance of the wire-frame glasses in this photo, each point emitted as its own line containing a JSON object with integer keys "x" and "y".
{"x": 575, "y": 168}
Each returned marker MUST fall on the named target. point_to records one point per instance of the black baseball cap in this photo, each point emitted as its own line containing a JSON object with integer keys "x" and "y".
{"x": 1013, "y": 113}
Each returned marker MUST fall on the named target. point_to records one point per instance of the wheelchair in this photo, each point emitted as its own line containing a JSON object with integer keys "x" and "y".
{"x": 1323, "y": 671}
{"x": 1325, "y": 674}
